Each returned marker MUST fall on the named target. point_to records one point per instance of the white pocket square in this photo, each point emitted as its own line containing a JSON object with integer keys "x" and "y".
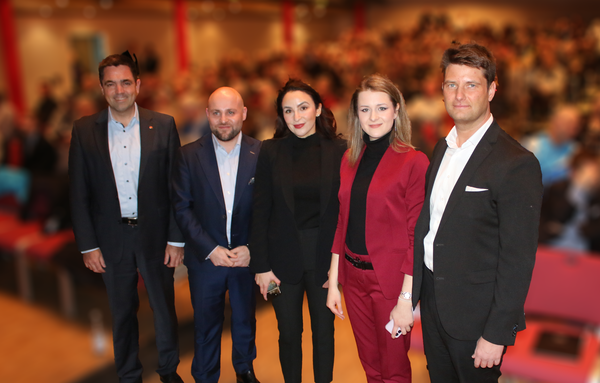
{"x": 472, "y": 189}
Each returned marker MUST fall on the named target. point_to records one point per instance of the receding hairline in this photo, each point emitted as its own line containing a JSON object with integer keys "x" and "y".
{"x": 226, "y": 92}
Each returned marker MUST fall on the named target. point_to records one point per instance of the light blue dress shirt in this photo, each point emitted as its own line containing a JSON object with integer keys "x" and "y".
{"x": 125, "y": 148}
{"x": 228, "y": 168}
{"x": 124, "y": 145}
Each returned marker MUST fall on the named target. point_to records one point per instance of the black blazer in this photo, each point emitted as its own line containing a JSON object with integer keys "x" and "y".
{"x": 274, "y": 240}
{"x": 198, "y": 197}
{"x": 94, "y": 200}
{"x": 484, "y": 250}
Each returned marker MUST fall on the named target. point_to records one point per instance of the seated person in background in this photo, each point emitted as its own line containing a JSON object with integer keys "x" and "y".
{"x": 555, "y": 146}
{"x": 27, "y": 148}
{"x": 428, "y": 116}
{"x": 570, "y": 216}
{"x": 28, "y": 151}
{"x": 591, "y": 133}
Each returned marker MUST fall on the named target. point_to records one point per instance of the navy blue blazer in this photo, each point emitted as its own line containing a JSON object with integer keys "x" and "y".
{"x": 198, "y": 196}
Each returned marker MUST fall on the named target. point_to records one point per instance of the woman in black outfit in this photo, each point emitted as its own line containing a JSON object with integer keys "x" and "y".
{"x": 294, "y": 220}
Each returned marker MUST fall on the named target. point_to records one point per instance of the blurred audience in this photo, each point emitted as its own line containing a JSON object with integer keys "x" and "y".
{"x": 542, "y": 67}
{"x": 570, "y": 216}
{"x": 428, "y": 116}
{"x": 46, "y": 106}
{"x": 591, "y": 135}
{"x": 193, "y": 122}
{"x": 27, "y": 148}
{"x": 554, "y": 147}
{"x": 7, "y": 122}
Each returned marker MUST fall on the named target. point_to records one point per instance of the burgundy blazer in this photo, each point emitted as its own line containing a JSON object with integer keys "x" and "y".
{"x": 394, "y": 201}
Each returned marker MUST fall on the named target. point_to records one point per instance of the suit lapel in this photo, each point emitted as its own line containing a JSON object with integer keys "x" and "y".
{"x": 327, "y": 169}
{"x": 208, "y": 162}
{"x": 436, "y": 161}
{"x": 248, "y": 157}
{"x": 482, "y": 150}
{"x": 147, "y": 137}
{"x": 101, "y": 138}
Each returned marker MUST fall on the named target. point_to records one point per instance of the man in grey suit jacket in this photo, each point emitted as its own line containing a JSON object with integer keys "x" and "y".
{"x": 476, "y": 237}
{"x": 119, "y": 168}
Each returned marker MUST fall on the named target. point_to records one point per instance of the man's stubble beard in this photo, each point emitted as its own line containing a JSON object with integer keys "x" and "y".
{"x": 227, "y": 137}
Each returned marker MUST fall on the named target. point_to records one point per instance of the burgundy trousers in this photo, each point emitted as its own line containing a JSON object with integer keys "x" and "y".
{"x": 384, "y": 359}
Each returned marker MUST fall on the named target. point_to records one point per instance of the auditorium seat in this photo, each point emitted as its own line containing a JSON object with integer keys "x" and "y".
{"x": 561, "y": 341}
{"x": 43, "y": 248}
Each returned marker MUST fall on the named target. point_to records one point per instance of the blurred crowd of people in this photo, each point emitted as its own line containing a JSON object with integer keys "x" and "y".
{"x": 548, "y": 98}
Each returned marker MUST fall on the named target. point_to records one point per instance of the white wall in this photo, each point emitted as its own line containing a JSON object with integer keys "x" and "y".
{"x": 44, "y": 45}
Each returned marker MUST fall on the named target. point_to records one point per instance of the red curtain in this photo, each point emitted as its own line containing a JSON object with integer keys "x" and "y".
{"x": 287, "y": 20}
{"x": 359, "y": 17}
{"x": 12, "y": 65}
{"x": 181, "y": 41}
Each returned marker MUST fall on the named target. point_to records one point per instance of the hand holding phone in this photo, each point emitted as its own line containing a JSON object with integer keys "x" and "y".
{"x": 273, "y": 289}
{"x": 390, "y": 326}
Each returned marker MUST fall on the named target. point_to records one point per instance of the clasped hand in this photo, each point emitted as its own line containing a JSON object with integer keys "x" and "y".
{"x": 238, "y": 257}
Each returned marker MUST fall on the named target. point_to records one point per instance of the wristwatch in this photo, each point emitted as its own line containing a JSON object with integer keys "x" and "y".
{"x": 406, "y": 295}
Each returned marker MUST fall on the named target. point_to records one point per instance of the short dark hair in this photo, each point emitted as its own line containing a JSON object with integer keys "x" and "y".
{"x": 473, "y": 55}
{"x": 325, "y": 123}
{"x": 117, "y": 60}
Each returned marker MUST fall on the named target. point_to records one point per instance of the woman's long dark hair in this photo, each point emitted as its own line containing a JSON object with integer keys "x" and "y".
{"x": 325, "y": 123}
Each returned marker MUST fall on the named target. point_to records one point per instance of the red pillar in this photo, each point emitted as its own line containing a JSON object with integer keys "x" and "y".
{"x": 359, "y": 17}
{"x": 181, "y": 38}
{"x": 12, "y": 64}
{"x": 287, "y": 20}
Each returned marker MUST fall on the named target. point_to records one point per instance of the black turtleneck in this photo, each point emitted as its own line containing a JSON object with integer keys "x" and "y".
{"x": 306, "y": 173}
{"x": 374, "y": 151}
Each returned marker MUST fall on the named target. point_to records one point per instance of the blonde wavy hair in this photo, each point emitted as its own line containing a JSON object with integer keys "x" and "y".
{"x": 401, "y": 131}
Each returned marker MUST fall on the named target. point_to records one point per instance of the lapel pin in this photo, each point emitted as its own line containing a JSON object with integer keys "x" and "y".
{"x": 151, "y": 127}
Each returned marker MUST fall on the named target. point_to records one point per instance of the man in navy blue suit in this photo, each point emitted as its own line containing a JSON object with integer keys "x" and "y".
{"x": 213, "y": 181}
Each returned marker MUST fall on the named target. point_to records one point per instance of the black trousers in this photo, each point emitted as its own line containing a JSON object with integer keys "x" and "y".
{"x": 288, "y": 310}
{"x": 121, "y": 280}
{"x": 448, "y": 359}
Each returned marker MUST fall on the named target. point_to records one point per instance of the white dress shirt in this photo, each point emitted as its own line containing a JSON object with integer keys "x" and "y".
{"x": 454, "y": 162}
{"x": 228, "y": 168}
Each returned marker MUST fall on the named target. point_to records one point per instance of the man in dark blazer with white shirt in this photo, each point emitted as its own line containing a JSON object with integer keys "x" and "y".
{"x": 476, "y": 237}
{"x": 120, "y": 163}
{"x": 213, "y": 184}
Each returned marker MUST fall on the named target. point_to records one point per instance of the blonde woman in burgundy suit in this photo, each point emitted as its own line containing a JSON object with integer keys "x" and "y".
{"x": 382, "y": 186}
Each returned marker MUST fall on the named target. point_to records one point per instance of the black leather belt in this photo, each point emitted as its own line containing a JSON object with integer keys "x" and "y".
{"x": 130, "y": 221}
{"x": 363, "y": 265}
